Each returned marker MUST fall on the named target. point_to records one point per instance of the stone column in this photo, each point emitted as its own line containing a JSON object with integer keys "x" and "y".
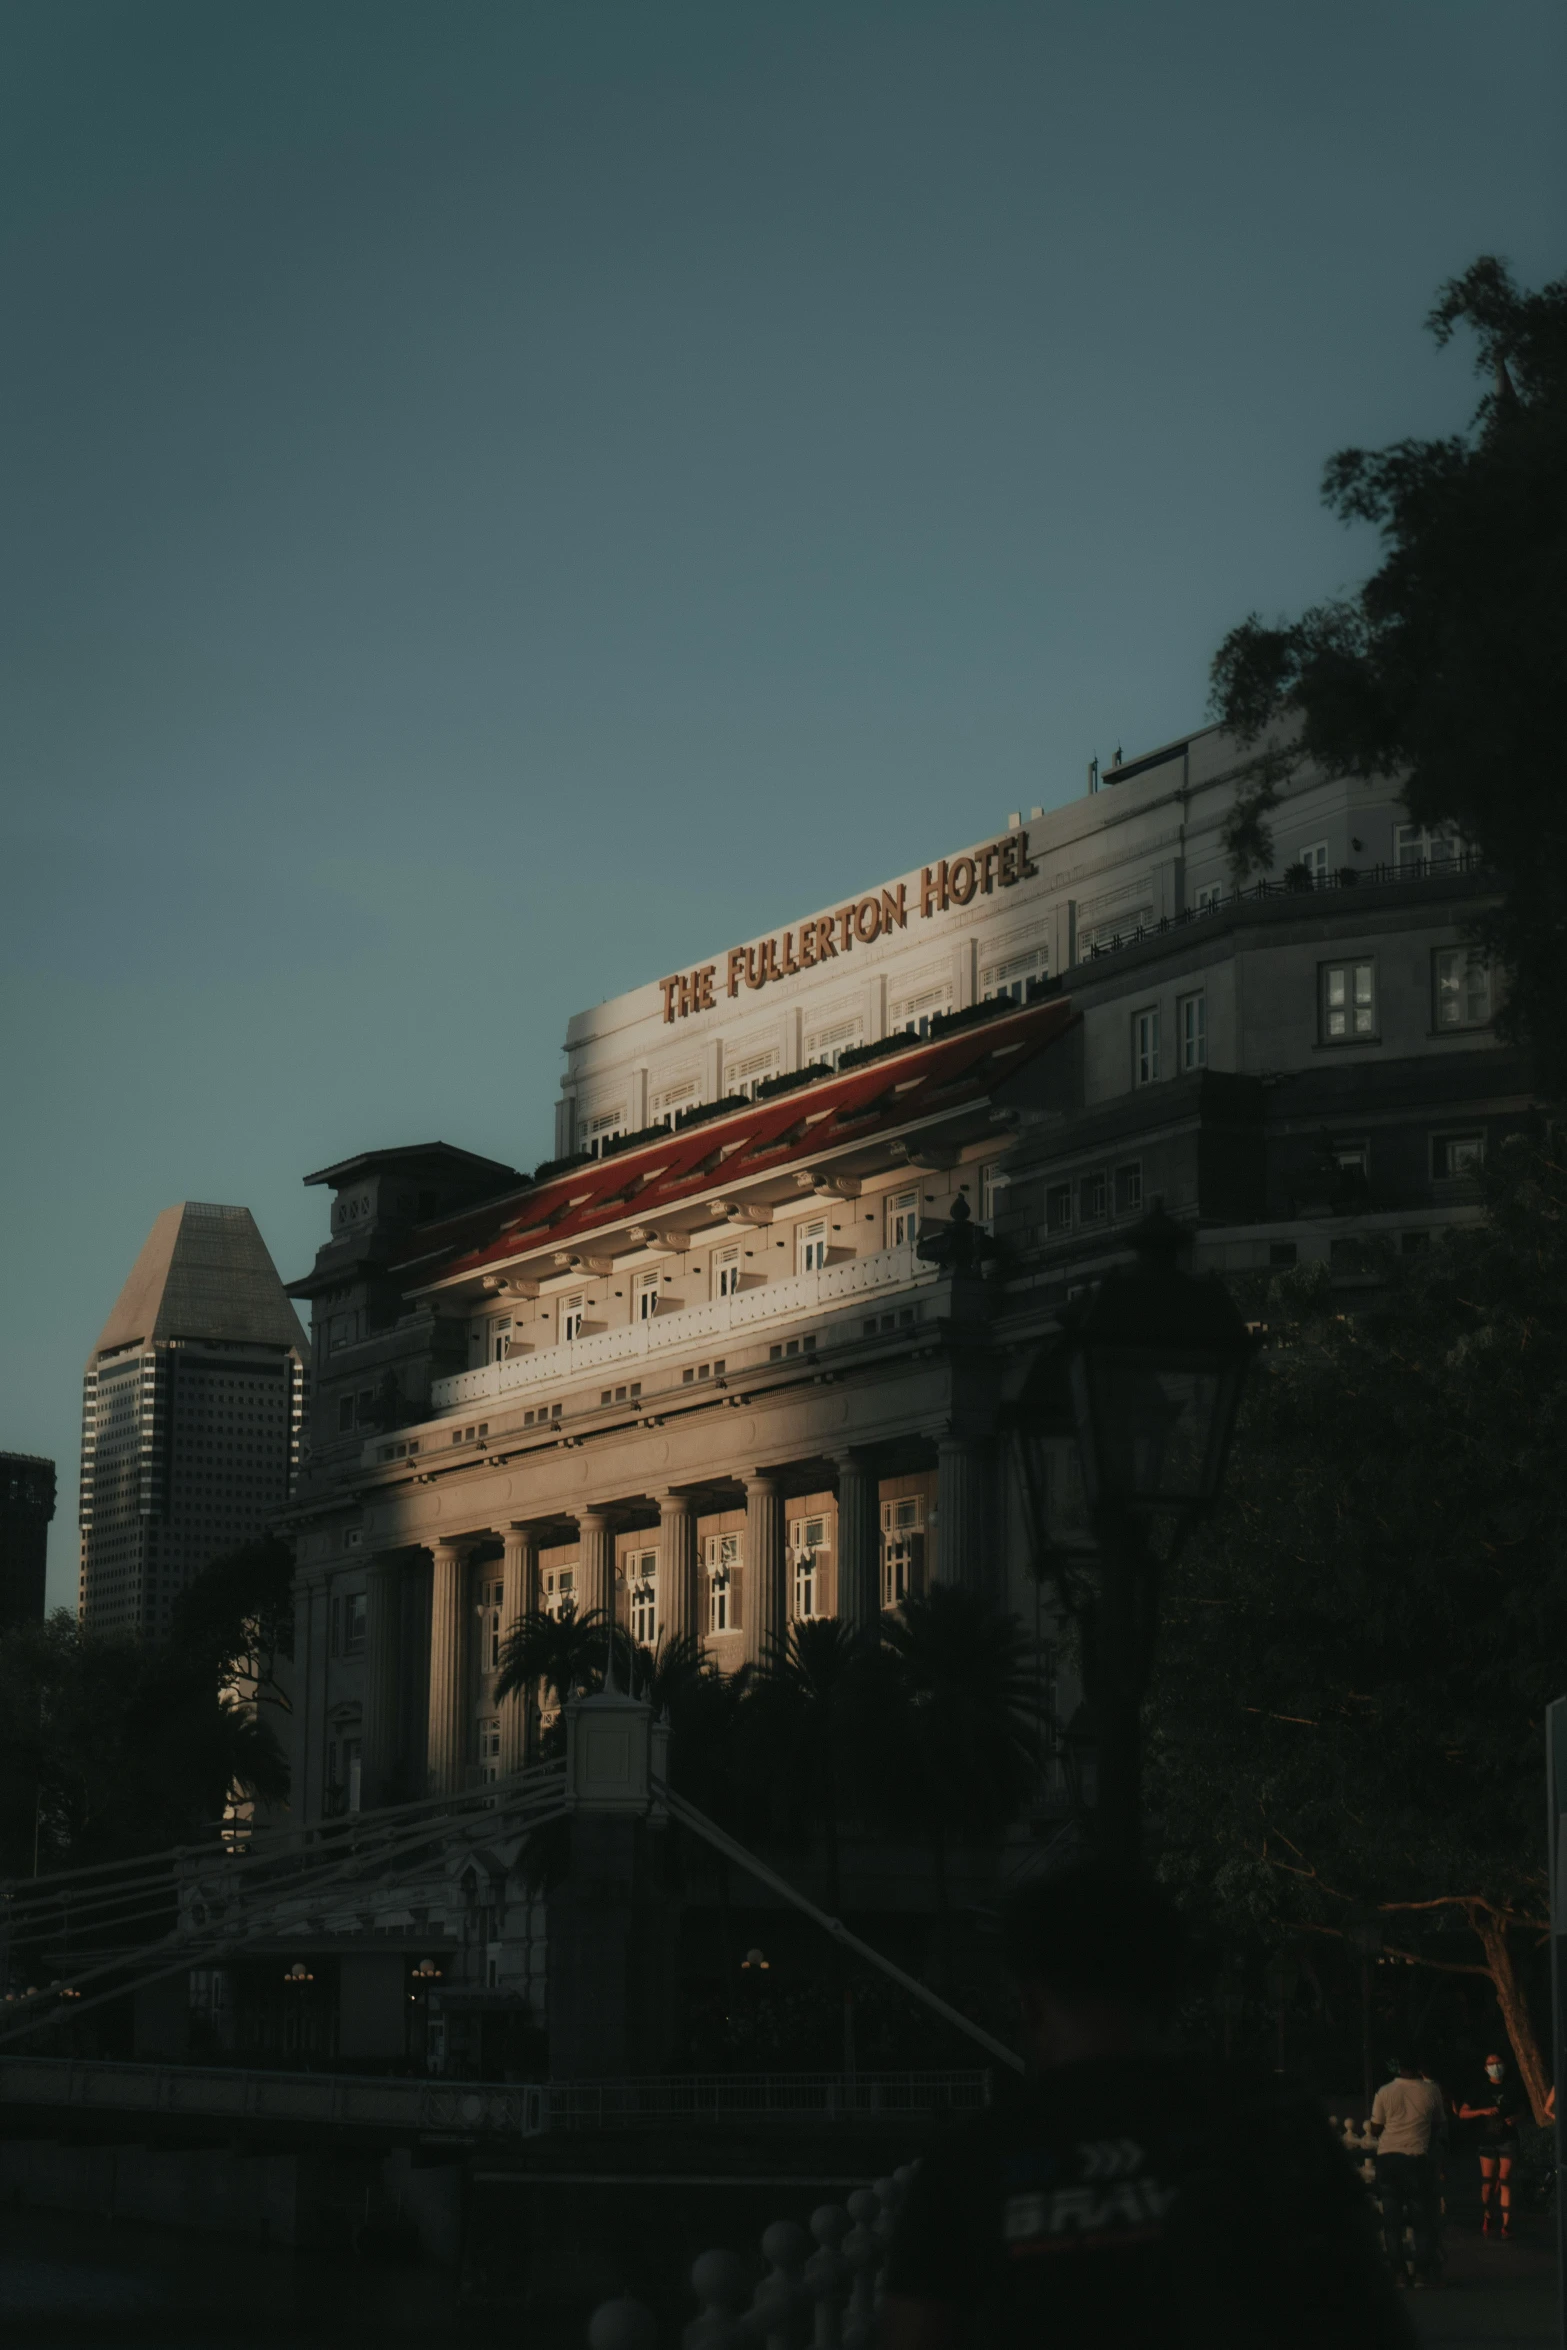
{"x": 520, "y": 1594}
{"x": 859, "y": 1541}
{"x": 679, "y": 1593}
{"x": 960, "y": 1514}
{"x": 596, "y": 1533}
{"x": 383, "y": 1676}
{"x": 447, "y": 1750}
{"x": 765, "y": 1595}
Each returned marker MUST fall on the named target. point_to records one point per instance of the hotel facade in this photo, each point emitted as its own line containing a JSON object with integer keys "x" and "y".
{"x": 696, "y": 1368}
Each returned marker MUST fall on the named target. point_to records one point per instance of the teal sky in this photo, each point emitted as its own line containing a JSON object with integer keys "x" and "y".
{"x": 503, "y": 495}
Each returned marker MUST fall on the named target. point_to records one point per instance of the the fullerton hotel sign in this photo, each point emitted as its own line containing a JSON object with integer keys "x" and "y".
{"x": 998, "y": 865}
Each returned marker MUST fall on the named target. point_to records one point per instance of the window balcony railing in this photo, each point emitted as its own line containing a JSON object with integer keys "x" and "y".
{"x": 879, "y": 1275}
{"x": 1298, "y": 882}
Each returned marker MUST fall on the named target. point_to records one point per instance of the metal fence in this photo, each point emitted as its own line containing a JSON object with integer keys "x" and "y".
{"x": 481, "y": 2109}
{"x": 706, "y": 2098}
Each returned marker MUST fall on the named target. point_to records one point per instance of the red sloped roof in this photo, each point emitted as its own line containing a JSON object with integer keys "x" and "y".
{"x": 757, "y": 1138}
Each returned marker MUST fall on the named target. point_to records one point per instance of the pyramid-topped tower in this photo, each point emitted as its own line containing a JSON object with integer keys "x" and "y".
{"x": 191, "y": 1412}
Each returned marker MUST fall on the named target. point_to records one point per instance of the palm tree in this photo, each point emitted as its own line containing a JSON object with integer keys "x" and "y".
{"x": 563, "y": 1654}
{"x": 961, "y": 1739}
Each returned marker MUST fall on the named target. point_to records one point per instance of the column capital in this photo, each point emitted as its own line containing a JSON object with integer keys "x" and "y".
{"x": 762, "y": 1481}
{"x": 600, "y": 1517}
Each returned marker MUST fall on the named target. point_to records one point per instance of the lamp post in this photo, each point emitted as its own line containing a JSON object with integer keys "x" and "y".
{"x": 1147, "y": 1377}
{"x": 1365, "y": 1938}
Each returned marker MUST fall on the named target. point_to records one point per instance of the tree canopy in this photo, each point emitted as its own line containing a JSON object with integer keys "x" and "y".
{"x": 1445, "y": 667}
{"x": 1348, "y": 1709}
{"x": 110, "y": 1746}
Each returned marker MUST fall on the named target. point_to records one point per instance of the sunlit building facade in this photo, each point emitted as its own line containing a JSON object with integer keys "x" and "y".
{"x": 698, "y": 1369}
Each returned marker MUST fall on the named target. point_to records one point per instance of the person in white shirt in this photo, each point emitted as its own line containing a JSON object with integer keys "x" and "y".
{"x": 1406, "y": 2122}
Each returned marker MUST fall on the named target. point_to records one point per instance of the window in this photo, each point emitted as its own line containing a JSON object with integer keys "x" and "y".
{"x": 1192, "y": 1018}
{"x": 500, "y": 1340}
{"x": 344, "y": 1779}
{"x": 1129, "y": 1188}
{"x": 812, "y": 1245}
{"x": 1454, "y": 1156}
{"x": 560, "y": 1591}
{"x": 1314, "y": 860}
{"x": 807, "y": 1541}
{"x": 573, "y": 1313}
{"x": 1460, "y": 988}
{"x": 1093, "y": 1198}
{"x": 723, "y": 1562}
{"x": 1058, "y": 1208}
{"x": 903, "y": 1540}
{"x": 1419, "y": 845}
{"x": 345, "y": 1413}
{"x": 1145, "y": 1045}
{"x": 492, "y": 1600}
{"x": 1209, "y": 898}
{"x": 726, "y": 1272}
{"x": 1011, "y": 977}
{"x": 347, "y": 1624}
{"x": 644, "y": 1294}
{"x": 1349, "y": 1002}
{"x": 831, "y": 1042}
{"x": 641, "y": 1571}
{"x": 903, "y": 1218}
{"x": 1352, "y": 1161}
{"x": 992, "y": 1188}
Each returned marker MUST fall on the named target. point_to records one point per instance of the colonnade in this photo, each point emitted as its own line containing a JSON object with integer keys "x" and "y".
{"x": 960, "y": 1555}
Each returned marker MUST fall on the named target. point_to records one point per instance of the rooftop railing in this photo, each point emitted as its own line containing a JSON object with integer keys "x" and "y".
{"x": 1297, "y": 882}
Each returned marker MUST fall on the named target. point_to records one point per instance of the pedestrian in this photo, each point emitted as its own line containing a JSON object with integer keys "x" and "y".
{"x": 1130, "y": 2195}
{"x": 1496, "y": 2110}
{"x": 1407, "y": 2122}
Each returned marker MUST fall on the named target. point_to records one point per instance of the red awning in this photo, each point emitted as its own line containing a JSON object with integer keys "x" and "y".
{"x": 755, "y": 1138}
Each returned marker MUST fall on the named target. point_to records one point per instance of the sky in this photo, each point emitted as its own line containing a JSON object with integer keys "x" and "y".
{"x": 503, "y": 497}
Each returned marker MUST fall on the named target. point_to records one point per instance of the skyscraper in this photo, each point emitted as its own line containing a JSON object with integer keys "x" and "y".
{"x": 26, "y": 1506}
{"x": 191, "y": 1411}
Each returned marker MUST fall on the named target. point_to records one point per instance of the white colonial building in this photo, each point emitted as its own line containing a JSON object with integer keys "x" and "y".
{"x": 695, "y": 1369}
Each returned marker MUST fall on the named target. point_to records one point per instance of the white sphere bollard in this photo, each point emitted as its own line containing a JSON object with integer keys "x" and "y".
{"x": 622, "y": 2325}
{"x": 721, "y": 2282}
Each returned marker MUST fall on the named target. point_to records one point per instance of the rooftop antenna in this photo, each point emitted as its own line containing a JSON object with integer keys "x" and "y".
{"x": 1093, "y": 773}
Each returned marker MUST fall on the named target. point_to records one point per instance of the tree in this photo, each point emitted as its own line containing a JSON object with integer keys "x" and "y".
{"x": 954, "y": 1722}
{"x": 110, "y": 1746}
{"x": 1445, "y": 668}
{"x": 1348, "y": 1706}
{"x": 564, "y": 1654}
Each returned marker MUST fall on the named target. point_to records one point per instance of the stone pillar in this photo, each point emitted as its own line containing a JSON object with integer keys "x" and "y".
{"x": 765, "y": 1595}
{"x": 859, "y": 1541}
{"x": 596, "y": 1533}
{"x": 679, "y": 1592}
{"x": 960, "y": 1514}
{"x": 519, "y": 1595}
{"x": 383, "y": 1677}
{"x": 447, "y": 1751}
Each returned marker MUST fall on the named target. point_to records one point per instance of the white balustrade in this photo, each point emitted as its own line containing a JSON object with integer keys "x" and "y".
{"x": 881, "y": 1274}
{"x": 829, "y": 2296}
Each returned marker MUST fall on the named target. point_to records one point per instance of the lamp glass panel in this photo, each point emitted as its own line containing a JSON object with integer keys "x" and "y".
{"x": 1156, "y": 1426}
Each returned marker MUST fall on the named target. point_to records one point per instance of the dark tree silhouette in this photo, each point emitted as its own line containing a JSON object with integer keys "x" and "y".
{"x": 1446, "y": 667}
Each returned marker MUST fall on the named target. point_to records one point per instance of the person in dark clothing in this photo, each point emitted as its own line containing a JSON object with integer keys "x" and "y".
{"x": 1495, "y": 2110}
{"x": 1131, "y": 2196}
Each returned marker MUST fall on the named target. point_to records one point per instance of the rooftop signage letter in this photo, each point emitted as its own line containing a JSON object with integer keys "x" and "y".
{"x": 998, "y": 865}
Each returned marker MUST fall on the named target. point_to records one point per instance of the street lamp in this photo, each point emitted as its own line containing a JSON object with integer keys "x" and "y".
{"x": 1365, "y": 1938}
{"x": 1146, "y": 1379}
